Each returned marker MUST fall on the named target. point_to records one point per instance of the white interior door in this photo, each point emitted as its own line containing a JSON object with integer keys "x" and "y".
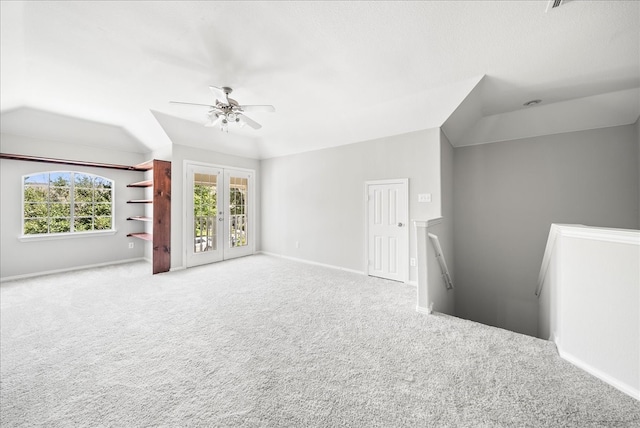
{"x": 219, "y": 214}
{"x": 387, "y": 231}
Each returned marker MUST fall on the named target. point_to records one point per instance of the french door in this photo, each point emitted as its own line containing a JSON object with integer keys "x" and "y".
{"x": 219, "y": 213}
{"x": 387, "y": 231}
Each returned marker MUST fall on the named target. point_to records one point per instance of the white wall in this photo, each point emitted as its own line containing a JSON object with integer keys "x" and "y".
{"x": 443, "y": 299}
{"x": 317, "y": 198}
{"x": 506, "y": 195}
{"x": 590, "y": 301}
{"x": 26, "y": 258}
{"x": 178, "y": 207}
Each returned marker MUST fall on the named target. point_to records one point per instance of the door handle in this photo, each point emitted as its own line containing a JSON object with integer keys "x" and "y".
{"x": 220, "y": 219}
{"x": 400, "y": 224}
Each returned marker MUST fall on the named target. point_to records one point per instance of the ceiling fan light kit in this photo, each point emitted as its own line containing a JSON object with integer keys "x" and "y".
{"x": 227, "y": 110}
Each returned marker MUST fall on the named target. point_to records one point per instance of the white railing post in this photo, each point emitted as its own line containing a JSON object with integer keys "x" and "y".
{"x": 423, "y": 283}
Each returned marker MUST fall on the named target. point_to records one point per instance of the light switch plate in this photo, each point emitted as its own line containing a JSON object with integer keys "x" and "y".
{"x": 424, "y": 197}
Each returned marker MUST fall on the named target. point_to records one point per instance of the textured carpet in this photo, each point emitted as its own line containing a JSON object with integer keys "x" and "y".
{"x": 265, "y": 342}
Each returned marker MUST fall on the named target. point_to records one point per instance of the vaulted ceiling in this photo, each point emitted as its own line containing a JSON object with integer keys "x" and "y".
{"x": 337, "y": 72}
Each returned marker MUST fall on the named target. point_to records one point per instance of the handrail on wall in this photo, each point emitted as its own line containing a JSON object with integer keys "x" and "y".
{"x": 443, "y": 264}
{"x": 546, "y": 258}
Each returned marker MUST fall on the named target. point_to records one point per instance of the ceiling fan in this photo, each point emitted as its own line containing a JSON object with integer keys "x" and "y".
{"x": 227, "y": 110}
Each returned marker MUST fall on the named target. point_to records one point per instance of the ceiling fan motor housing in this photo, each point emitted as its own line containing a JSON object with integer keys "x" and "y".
{"x": 229, "y": 110}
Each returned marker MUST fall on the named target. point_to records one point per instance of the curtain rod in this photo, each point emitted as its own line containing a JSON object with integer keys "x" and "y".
{"x": 140, "y": 167}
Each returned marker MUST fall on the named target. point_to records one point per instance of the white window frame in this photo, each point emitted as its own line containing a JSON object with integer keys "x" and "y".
{"x": 72, "y": 234}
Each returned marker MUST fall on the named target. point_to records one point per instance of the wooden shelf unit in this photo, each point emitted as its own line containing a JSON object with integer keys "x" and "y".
{"x": 143, "y": 236}
{"x": 161, "y": 218}
{"x": 140, "y": 218}
{"x": 145, "y": 183}
{"x": 161, "y": 200}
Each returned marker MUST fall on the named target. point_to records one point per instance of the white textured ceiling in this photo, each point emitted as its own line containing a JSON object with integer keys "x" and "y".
{"x": 337, "y": 72}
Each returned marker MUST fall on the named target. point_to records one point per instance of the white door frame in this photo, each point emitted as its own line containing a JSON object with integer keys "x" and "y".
{"x": 185, "y": 194}
{"x": 405, "y": 230}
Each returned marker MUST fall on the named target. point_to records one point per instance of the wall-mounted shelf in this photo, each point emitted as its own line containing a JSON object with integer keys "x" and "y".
{"x": 140, "y": 218}
{"x": 145, "y": 183}
{"x": 160, "y": 236}
{"x": 143, "y": 236}
{"x": 146, "y": 166}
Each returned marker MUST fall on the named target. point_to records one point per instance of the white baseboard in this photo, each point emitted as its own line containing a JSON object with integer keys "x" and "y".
{"x": 422, "y": 310}
{"x": 627, "y": 389}
{"x": 295, "y": 259}
{"x": 71, "y": 269}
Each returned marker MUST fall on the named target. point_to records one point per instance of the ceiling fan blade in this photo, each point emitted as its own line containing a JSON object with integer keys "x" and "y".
{"x": 192, "y": 104}
{"x": 213, "y": 121}
{"x": 219, "y": 94}
{"x": 252, "y": 123}
{"x": 265, "y": 108}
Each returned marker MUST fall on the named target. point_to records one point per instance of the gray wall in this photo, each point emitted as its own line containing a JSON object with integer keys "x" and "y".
{"x": 317, "y": 198}
{"x": 507, "y": 194}
{"x": 447, "y": 177}
{"x": 26, "y": 258}
{"x": 638, "y": 140}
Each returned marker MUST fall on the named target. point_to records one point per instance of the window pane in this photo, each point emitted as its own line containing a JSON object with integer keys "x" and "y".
{"x": 35, "y": 226}
{"x": 103, "y": 223}
{"x": 205, "y": 199}
{"x": 83, "y": 180}
{"x": 59, "y": 225}
{"x": 35, "y": 210}
{"x": 83, "y": 210}
{"x": 59, "y": 194}
{"x": 103, "y": 195}
{"x": 102, "y": 183}
{"x": 59, "y": 210}
{"x": 102, "y": 209}
{"x": 38, "y": 179}
{"x": 60, "y": 179}
{"x": 82, "y": 224}
{"x": 237, "y": 209}
{"x": 34, "y": 193}
{"x": 83, "y": 195}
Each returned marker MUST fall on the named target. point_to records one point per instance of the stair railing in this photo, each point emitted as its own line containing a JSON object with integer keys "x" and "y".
{"x": 443, "y": 263}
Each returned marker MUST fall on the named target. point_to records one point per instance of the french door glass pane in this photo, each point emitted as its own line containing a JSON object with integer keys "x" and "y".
{"x": 238, "y": 188}
{"x": 205, "y": 211}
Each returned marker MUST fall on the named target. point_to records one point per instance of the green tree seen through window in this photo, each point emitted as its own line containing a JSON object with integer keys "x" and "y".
{"x": 64, "y": 202}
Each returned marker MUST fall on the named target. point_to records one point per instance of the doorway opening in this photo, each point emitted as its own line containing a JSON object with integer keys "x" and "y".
{"x": 219, "y": 213}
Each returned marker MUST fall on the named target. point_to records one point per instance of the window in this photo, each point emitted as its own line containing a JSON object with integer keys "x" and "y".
{"x": 238, "y": 211}
{"x": 66, "y": 202}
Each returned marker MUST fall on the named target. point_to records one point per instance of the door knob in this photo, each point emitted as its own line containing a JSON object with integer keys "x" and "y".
{"x": 400, "y": 225}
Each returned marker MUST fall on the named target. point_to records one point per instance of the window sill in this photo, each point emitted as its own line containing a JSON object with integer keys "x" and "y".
{"x": 73, "y": 235}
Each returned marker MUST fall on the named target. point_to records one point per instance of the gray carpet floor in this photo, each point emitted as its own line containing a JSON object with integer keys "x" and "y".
{"x": 266, "y": 342}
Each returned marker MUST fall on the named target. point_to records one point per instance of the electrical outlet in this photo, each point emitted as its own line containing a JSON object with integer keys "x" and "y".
{"x": 297, "y": 244}
{"x": 131, "y": 245}
{"x": 412, "y": 261}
